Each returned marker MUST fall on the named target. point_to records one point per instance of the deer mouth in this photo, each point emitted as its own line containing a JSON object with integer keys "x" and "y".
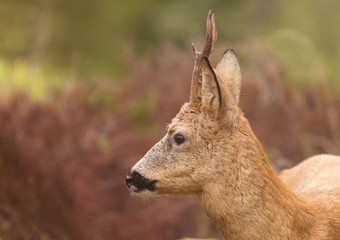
{"x": 138, "y": 184}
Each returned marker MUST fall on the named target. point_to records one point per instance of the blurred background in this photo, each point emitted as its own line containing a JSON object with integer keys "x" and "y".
{"x": 87, "y": 87}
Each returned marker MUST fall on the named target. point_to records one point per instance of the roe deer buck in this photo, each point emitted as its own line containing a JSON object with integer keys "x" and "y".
{"x": 210, "y": 150}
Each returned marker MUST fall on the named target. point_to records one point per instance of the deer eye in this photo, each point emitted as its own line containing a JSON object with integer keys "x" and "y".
{"x": 179, "y": 138}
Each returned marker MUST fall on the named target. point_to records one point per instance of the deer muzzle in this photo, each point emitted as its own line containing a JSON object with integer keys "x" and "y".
{"x": 136, "y": 182}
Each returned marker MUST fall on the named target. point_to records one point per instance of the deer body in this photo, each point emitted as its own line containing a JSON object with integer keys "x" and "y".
{"x": 210, "y": 150}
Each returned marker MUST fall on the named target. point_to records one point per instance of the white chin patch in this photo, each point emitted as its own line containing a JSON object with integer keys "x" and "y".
{"x": 142, "y": 193}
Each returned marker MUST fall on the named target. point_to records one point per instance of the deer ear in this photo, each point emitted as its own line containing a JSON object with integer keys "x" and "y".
{"x": 229, "y": 73}
{"x": 211, "y": 91}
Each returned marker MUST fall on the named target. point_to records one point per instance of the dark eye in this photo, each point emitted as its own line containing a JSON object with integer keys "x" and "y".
{"x": 179, "y": 139}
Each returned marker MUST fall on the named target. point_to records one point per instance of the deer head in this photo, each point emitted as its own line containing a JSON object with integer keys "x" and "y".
{"x": 199, "y": 144}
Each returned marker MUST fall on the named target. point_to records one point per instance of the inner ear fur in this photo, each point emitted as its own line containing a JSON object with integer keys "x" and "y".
{"x": 229, "y": 74}
{"x": 221, "y": 87}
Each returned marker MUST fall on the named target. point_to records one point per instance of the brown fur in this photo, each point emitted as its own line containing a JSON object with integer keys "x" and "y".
{"x": 222, "y": 162}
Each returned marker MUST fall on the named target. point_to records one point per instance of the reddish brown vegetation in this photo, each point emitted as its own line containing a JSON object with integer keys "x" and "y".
{"x": 63, "y": 165}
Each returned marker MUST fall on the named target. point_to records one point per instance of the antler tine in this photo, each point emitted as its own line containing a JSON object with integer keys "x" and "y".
{"x": 214, "y": 31}
{"x": 210, "y": 39}
{"x": 210, "y": 35}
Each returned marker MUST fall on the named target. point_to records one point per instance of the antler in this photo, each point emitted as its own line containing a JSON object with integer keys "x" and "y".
{"x": 196, "y": 82}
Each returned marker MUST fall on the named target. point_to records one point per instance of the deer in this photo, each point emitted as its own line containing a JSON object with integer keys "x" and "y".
{"x": 209, "y": 150}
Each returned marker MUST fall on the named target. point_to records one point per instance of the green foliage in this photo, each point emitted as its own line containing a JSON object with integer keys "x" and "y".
{"x": 103, "y": 39}
{"x": 104, "y": 142}
{"x": 99, "y": 95}
{"x": 35, "y": 82}
{"x": 141, "y": 109}
{"x": 299, "y": 58}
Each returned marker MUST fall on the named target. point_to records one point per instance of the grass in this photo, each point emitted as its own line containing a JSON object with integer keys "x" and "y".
{"x": 35, "y": 82}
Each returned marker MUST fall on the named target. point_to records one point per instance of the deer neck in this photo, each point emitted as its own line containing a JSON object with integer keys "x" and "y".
{"x": 253, "y": 203}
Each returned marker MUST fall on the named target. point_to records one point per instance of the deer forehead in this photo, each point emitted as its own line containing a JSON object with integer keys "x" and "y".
{"x": 182, "y": 120}
{"x": 195, "y": 128}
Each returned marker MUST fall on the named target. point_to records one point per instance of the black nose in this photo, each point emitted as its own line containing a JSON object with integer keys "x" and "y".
{"x": 136, "y": 179}
{"x": 129, "y": 180}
